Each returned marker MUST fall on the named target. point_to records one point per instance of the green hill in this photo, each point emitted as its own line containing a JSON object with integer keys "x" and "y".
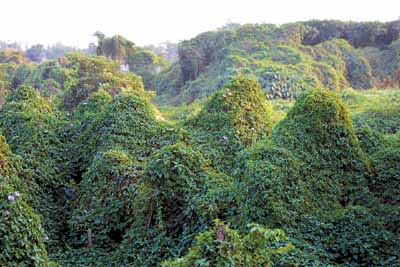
{"x": 285, "y": 60}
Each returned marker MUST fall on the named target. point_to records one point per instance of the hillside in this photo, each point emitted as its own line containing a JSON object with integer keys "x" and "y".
{"x": 285, "y": 60}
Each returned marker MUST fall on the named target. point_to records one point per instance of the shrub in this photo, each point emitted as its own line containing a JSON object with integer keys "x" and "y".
{"x": 89, "y": 74}
{"x": 319, "y": 131}
{"x": 11, "y": 169}
{"x": 274, "y": 188}
{"x": 380, "y": 112}
{"x": 222, "y": 246}
{"x": 353, "y": 237}
{"x": 234, "y": 118}
{"x": 84, "y": 130}
{"x": 104, "y": 197}
{"x": 6, "y": 159}
{"x": 172, "y": 205}
{"x": 30, "y": 124}
{"x": 311, "y": 163}
{"x": 127, "y": 122}
{"x": 386, "y": 163}
{"x": 370, "y": 140}
{"x": 22, "y": 238}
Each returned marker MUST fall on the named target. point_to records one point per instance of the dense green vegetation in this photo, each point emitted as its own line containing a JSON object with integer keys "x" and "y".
{"x": 285, "y": 60}
{"x": 279, "y": 153}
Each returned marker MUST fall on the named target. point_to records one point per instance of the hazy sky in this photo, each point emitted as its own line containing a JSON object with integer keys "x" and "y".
{"x": 153, "y": 21}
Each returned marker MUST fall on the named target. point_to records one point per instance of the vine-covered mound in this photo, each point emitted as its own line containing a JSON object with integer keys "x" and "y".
{"x": 83, "y": 131}
{"x": 176, "y": 198}
{"x": 127, "y": 122}
{"x": 22, "y": 238}
{"x": 383, "y": 151}
{"x": 118, "y": 139}
{"x": 312, "y": 177}
{"x": 319, "y": 131}
{"x": 274, "y": 189}
{"x": 7, "y": 161}
{"x": 386, "y": 163}
{"x": 130, "y": 123}
{"x": 312, "y": 161}
{"x": 352, "y": 236}
{"x": 10, "y": 169}
{"x": 235, "y": 117}
{"x": 30, "y": 124}
{"x": 104, "y": 202}
{"x": 222, "y": 246}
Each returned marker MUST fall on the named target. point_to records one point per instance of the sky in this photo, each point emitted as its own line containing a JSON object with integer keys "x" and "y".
{"x": 73, "y": 22}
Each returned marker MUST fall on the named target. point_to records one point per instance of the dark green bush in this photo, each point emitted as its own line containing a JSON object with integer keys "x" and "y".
{"x": 10, "y": 168}
{"x": 275, "y": 190}
{"x": 319, "y": 131}
{"x": 235, "y": 117}
{"x": 22, "y": 238}
{"x": 30, "y": 124}
{"x": 222, "y": 246}
{"x": 177, "y": 197}
{"x": 386, "y": 163}
{"x": 127, "y": 122}
{"x": 312, "y": 163}
{"x": 113, "y": 139}
{"x": 352, "y": 237}
{"x": 130, "y": 123}
{"x": 105, "y": 194}
{"x": 6, "y": 159}
{"x": 313, "y": 170}
{"x": 84, "y": 132}
{"x": 89, "y": 74}
{"x": 370, "y": 140}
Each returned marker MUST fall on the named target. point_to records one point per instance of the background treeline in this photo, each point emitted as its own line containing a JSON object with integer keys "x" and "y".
{"x": 55, "y": 76}
{"x": 285, "y": 59}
